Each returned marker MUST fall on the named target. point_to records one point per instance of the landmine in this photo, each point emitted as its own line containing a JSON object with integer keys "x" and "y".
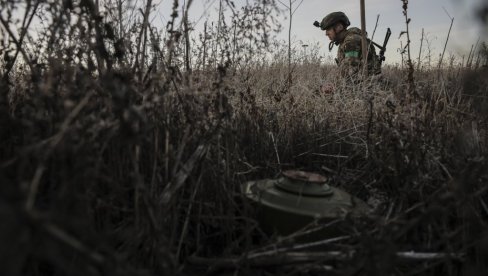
{"x": 297, "y": 199}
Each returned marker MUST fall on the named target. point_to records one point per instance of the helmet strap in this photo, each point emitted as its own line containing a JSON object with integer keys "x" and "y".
{"x": 331, "y": 45}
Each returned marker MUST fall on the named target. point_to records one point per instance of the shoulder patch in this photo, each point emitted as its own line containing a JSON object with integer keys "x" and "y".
{"x": 352, "y": 54}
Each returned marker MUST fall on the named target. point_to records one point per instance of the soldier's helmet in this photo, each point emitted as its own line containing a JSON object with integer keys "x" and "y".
{"x": 333, "y": 18}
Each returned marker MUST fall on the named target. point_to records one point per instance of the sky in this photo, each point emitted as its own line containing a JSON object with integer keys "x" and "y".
{"x": 434, "y": 16}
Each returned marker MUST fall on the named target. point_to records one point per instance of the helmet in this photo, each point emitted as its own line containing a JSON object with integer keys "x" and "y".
{"x": 332, "y": 18}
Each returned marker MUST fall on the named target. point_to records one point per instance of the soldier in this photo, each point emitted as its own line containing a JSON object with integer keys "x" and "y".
{"x": 349, "y": 54}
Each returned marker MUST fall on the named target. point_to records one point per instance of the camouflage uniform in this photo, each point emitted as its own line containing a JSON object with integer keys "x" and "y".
{"x": 349, "y": 54}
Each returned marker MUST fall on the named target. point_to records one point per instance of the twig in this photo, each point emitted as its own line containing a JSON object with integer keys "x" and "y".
{"x": 297, "y": 247}
{"x": 74, "y": 243}
{"x": 155, "y": 161}
{"x": 300, "y": 233}
{"x": 53, "y": 142}
{"x": 17, "y": 42}
{"x": 469, "y": 56}
{"x": 291, "y": 12}
{"x": 410, "y": 77}
{"x": 187, "y": 42}
{"x": 469, "y": 62}
{"x": 370, "y": 124}
{"x": 441, "y": 165}
{"x": 420, "y": 51}
{"x": 183, "y": 173}
{"x": 426, "y": 256}
{"x": 65, "y": 238}
{"x": 291, "y": 258}
{"x": 374, "y": 30}
{"x": 364, "y": 49}
{"x": 447, "y": 39}
{"x": 330, "y": 155}
{"x": 34, "y": 186}
{"x": 215, "y": 48}
{"x": 275, "y": 148}
{"x": 187, "y": 218}
{"x": 25, "y": 27}
{"x": 143, "y": 39}
{"x": 483, "y": 204}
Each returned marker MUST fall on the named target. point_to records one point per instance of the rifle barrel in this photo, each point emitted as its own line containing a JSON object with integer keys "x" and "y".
{"x": 387, "y": 37}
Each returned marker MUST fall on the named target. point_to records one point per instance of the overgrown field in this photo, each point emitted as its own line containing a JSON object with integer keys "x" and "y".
{"x": 123, "y": 149}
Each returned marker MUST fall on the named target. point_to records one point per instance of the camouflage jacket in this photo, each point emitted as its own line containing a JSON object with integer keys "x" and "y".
{"x": 349, "y": 56}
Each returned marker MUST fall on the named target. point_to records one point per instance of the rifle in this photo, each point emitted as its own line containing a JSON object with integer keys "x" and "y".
{"x": 383, "y": 48}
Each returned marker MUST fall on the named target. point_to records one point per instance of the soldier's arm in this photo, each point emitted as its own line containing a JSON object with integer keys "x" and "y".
{"x": 352, "y": 55}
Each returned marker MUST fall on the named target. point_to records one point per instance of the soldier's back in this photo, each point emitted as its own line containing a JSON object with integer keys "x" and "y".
{"x": 349, "y": 54}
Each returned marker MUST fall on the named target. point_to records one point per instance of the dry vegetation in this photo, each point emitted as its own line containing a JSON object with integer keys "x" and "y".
{"x": 123, "y": 147}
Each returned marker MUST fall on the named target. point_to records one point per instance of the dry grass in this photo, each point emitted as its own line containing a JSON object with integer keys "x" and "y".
{"x": 113, "y": 167}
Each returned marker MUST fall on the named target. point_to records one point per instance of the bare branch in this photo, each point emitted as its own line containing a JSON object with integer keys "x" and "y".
{"x": 286, "y": 6}
{"x": 297, "y": 7}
